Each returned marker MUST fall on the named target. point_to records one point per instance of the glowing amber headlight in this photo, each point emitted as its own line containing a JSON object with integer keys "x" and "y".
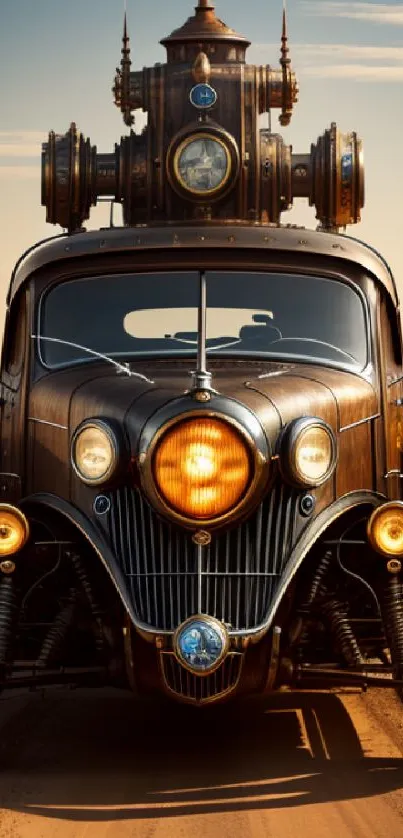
{"x": 385, "y": 529}
{"x": 14, "y": 530}
{"x": 202, "y": 467}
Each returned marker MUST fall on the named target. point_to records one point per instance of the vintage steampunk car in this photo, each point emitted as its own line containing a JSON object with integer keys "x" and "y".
{"x": 201, "y": 410}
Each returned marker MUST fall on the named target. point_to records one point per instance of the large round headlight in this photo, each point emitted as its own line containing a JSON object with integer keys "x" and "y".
{"x": 202, "y": 467}
{"x": 14, "y": 530}
{"x": 94, "y": 452}
{"x": 310, "y": 452}
{"x": 385, "y": 529}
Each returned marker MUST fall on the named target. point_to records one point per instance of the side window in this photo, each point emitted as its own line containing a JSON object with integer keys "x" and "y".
{"x": 15, "y": 338}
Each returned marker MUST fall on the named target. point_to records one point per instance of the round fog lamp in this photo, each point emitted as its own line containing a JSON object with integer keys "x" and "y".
{"x": 385, "y": 529}
{"x": 200, "y": 644}
{"x": 202, "y": 467}
{"x": 14, "y": 530}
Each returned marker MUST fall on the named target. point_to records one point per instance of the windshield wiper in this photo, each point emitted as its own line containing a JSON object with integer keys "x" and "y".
{"x": 121, "y": 368}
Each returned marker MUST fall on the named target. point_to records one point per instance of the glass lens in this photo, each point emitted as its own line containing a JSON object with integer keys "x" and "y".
{"x": 202, "y": 468}
{"x": 13, "y": 533}
{"x": 388, "y": 532}
{"x": 94, "y": 453}
{"x": 203, "y": 165}
{"x": 313, "y": 454}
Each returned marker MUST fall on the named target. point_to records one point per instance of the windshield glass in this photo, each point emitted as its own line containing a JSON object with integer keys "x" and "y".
{"x": 249, "y": 314}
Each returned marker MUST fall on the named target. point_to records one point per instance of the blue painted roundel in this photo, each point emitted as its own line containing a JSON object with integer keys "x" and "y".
{"x": 201, "y": 643}
{"x": 203, "y": 96}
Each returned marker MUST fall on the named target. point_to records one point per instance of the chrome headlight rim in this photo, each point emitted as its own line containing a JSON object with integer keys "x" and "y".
{"x": 287, "y": 447}
{"x": 107, "y": 428}
{"x": 259, "y": 472}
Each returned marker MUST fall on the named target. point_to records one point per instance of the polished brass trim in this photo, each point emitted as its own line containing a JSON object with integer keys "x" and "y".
{"x": 99, "y": 424}
{"x": 45, "y": 422}
{"x": 145, "y": 462}
{"x": 213, "y": 699}
{"x": 370, "y": 526}
{"x": 220, "y": 627}
{"x": 7, "y": 567}
{"x": 202, "y": 135}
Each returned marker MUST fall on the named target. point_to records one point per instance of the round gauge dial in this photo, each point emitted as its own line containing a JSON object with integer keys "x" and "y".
{"x": 202, "y": 164}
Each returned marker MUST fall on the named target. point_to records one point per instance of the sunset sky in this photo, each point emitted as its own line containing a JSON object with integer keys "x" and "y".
{"x": 58, "y": 59}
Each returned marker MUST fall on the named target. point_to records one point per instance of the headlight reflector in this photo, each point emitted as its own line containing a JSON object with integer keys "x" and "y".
{"x": 14, "y": 530}
{"x": 310, "y": 452}
{"x": 94, "y": 452}
{"x": 202, "y": 467}
{"x": 385, "y": 529}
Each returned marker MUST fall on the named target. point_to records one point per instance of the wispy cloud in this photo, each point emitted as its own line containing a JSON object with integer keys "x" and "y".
{"x": 21, "y": 143}
{"x": 357, "y": 72}
{"x": 387, "y": 13}
{"x": 357, "y": 62}
{"x": 359, "y": 52}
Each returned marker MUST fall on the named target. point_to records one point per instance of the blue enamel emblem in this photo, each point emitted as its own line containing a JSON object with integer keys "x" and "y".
{"x": 200, "y": 644}
{"x": 203, "y": 96}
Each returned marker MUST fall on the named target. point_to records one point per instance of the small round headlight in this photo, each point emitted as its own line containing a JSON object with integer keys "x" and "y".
{"x": 94, "y": 452}
{"x": 14, "y": 530}
{"x": 385, "y": 529}
{"x": 310, "y": 455}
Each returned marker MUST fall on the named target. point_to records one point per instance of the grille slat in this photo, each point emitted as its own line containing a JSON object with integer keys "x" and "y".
{"x": 199, "y": 690}
{"x": 234, "y": 579}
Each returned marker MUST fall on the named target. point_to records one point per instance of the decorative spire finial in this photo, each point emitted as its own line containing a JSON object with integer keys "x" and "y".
{"x": 284, "y": 60}
{"x": 122, "y": 81}
{"x": 287, "y": 84}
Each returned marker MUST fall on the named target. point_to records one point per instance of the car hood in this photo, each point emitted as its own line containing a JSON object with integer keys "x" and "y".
{"x": 276, "y": 392}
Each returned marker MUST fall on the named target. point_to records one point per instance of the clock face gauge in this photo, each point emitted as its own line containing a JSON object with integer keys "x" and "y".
{"x": 202, "y": 164}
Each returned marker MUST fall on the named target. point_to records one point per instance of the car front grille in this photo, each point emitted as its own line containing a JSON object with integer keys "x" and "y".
{"x": 195, "y": 689}
{"x": 236, "y": 579}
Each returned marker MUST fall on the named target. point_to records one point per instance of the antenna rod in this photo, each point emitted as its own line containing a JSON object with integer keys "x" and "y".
{"x": 202, "y": 378}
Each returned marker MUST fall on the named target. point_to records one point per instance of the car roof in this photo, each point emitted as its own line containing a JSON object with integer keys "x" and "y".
{"x": 270, "y": 238}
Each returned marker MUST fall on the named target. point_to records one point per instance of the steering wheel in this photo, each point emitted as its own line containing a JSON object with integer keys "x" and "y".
{"x": 314, "y": 340}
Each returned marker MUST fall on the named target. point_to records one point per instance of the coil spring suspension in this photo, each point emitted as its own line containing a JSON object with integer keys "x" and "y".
{"x": 8, "y": 608}
{"x": 343, "y": 634}
{"x": 84, "y": 579}
{"x": 317, "y": 585}
{"x": 319, "y": 576}
{"x": 57, "y": 634}
{"x": 393, "y": 617}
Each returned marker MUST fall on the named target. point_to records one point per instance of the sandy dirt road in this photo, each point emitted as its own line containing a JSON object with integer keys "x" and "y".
{"x": 76, "y": 764}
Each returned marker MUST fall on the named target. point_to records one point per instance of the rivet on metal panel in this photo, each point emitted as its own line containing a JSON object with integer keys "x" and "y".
{"x": 67, "y": 247}
{"x": 102, "y": 243}
{"x": 231, "y": 238}
{"x": 302, "y": 241}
